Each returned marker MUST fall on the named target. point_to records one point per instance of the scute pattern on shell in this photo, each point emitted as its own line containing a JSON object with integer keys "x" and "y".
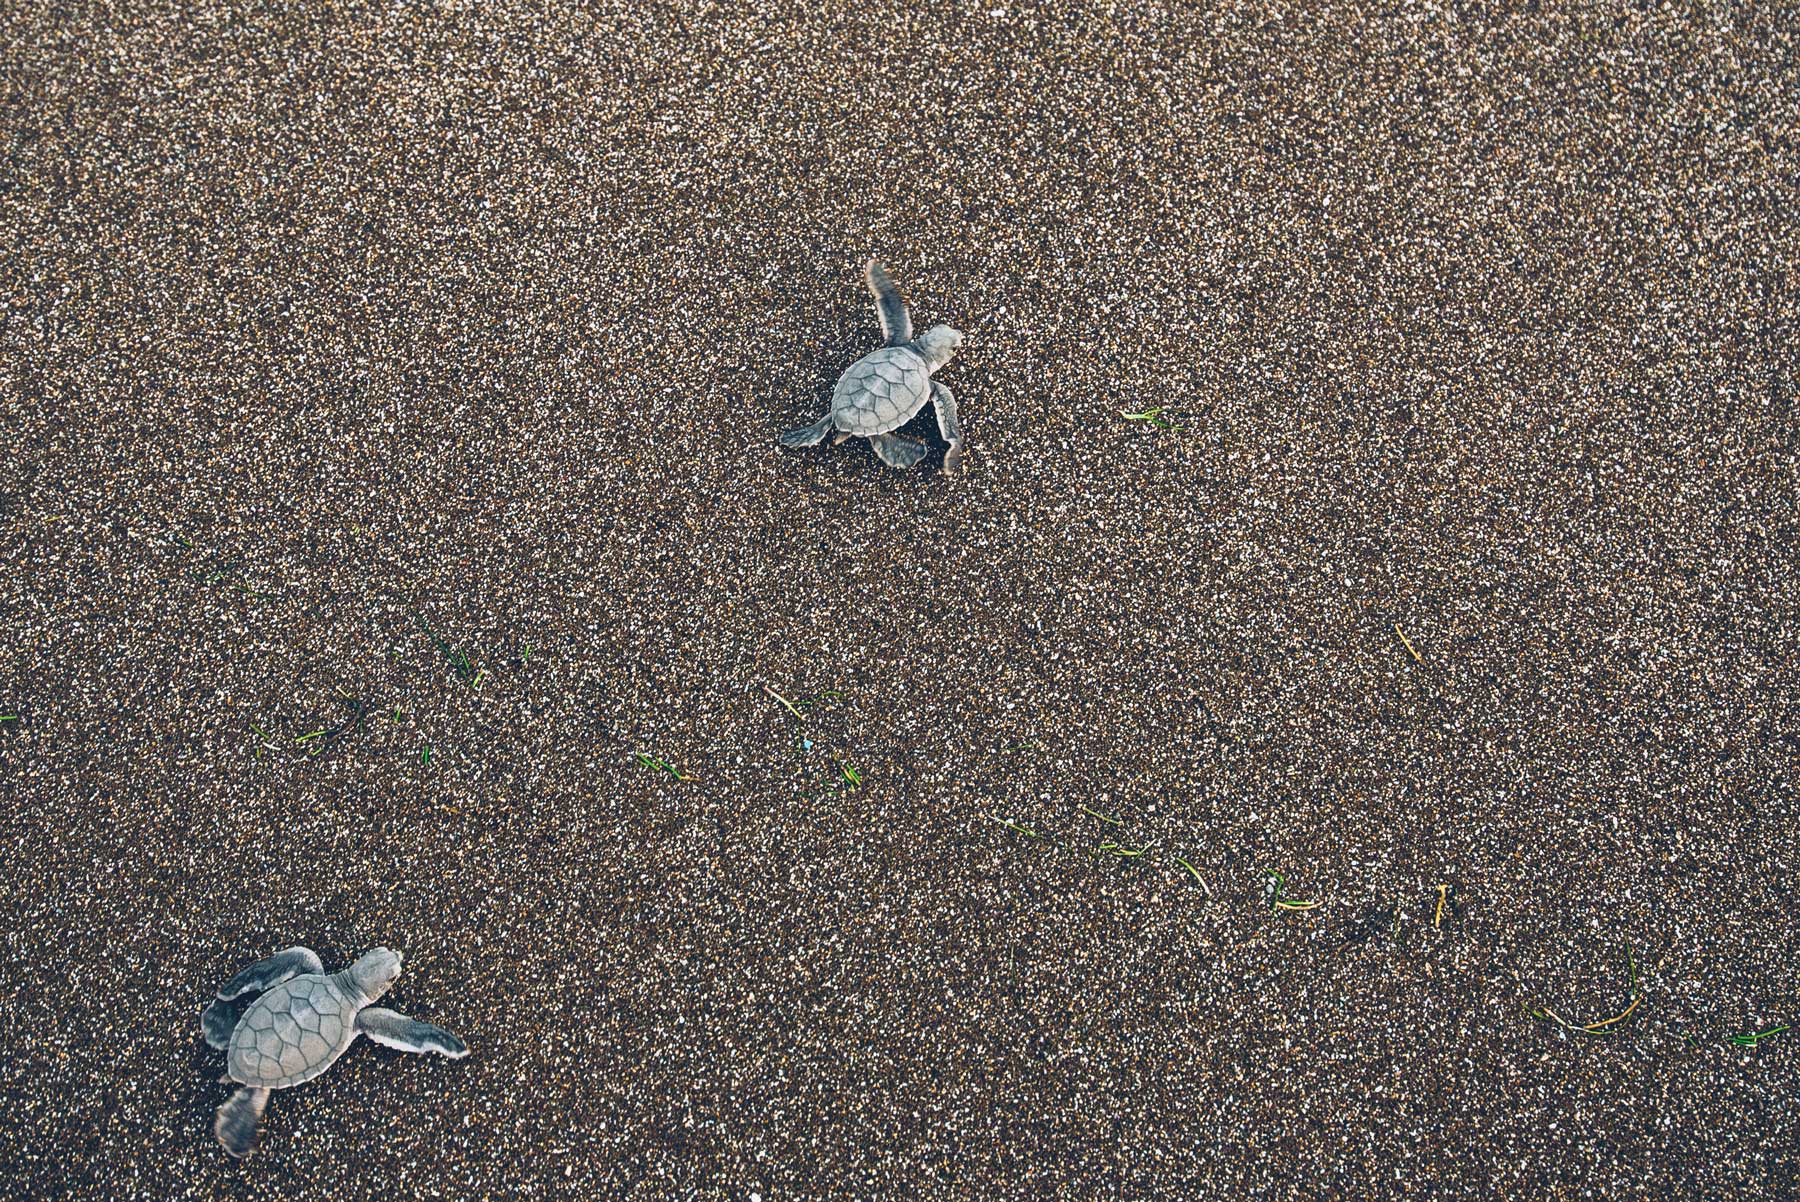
{"x": 880, "y": 392}
{"x": 292, "y": 1033}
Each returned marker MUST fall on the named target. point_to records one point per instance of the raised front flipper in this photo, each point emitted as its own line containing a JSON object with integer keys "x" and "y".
{"x": 220, "y": 1018}
{"x": 896, "y": 322}
{"x": 392, "y": 1030}
{"x": 266, "y": 974}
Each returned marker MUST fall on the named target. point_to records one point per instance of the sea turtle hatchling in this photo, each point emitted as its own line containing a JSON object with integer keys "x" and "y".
{"x": 882, "y": 391}
{"x": 301, "y": 1024}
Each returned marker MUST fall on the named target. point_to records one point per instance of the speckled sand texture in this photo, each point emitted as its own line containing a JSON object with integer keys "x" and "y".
{"x": 342, "y": 342}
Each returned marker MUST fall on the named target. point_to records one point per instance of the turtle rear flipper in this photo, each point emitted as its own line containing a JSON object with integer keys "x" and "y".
{"x": 235, "y": 1124}
{"x": 393, "y": 1030}
{"x": 895, "y": 451}
{"x": 808, "y": 436}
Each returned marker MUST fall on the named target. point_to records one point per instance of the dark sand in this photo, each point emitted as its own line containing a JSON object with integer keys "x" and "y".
{"x": 317, "y": 316}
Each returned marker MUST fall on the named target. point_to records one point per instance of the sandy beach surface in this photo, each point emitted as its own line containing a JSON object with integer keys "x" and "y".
{"x": 395, "y": 549}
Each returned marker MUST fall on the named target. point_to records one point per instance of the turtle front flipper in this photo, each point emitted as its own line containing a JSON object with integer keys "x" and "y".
{"x": 218, "y": 1021}
{"x": 895, "y": 451}
{"x": 235, "y": 1124}
{"x": 896, "y": 322}
{"x": 944, "y": 402}
{"x": 221, "y": 1018}
{"x": 266, "y": 974}
{"x": 392, "y": 1030}
{"x": 808, "y": 436}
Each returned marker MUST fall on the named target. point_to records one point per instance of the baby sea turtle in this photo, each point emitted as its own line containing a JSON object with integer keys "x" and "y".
{"x": 882, "y": 391}
{"x": 301, "y": 1024}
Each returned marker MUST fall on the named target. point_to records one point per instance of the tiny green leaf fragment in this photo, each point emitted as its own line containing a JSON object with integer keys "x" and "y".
{"x": 1154, "y": 417}
{"x": 1275, "y": 885}
{"x": 657, "y": 764}
{"x": 788, "y": 705}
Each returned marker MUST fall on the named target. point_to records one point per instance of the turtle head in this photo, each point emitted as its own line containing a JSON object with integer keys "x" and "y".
{"x": 376, "y": 972}
{"x": 936, "y": 345}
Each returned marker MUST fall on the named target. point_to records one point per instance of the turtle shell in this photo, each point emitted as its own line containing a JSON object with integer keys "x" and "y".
{"x": 880, "y": 392}
{"x": 292, "y": 1033}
